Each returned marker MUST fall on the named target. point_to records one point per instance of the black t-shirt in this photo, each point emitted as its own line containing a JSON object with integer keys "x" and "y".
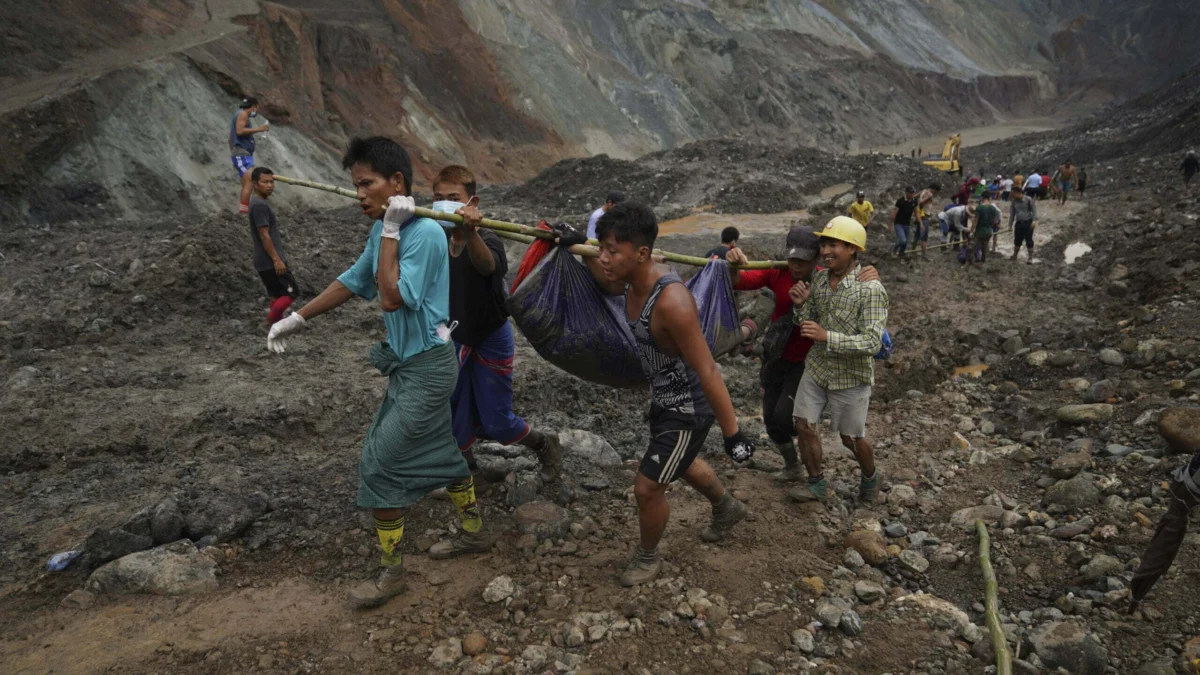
{"x": 719, "y": 251}
{"x": 476, "y": 301}
{"x": 905, "y": 209}
{"x": 261, "y": 215}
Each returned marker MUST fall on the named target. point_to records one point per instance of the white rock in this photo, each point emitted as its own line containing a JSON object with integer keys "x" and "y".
{"x": 499, "y": 589}
{"x": 589, "y": 446}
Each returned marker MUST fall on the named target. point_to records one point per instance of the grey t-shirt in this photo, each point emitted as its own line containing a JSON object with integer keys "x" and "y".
{"x": 261, "y": 215}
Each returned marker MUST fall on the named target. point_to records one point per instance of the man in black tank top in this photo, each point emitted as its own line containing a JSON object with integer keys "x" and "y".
{"x": 686, "y": 388}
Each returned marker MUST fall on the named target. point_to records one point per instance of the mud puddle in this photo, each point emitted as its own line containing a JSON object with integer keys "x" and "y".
{"x": 769, "y": 223}
{"x": 973, "y": 136}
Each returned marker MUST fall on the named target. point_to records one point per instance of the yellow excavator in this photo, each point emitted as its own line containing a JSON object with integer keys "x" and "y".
{"x": 948, "y": 160}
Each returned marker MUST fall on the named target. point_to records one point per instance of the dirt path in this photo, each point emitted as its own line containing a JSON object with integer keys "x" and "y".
{"x": 219, "y": 414}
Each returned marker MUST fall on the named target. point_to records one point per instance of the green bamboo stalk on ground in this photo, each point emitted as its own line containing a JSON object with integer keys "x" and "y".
{"x": 990, "y": 603}
{"x": 518, "y": 232}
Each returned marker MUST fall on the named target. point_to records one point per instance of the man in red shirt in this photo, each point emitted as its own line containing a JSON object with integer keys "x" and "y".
{"x": 784, "y": 350}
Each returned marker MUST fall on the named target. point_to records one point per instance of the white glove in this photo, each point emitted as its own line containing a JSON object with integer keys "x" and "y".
{"x": 399, "y": 210}
{"x": 276, "y": 341}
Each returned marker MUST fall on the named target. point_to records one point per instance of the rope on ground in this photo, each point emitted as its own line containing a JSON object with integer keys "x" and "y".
{"x": 502, "y": 228}
{"x": 999, "y": 643}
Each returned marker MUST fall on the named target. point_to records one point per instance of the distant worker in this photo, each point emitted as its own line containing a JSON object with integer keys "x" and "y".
{"x": 269, "y": 260}
{"x": 1006, "y": 186}
{"x": 615, "y": 197}
{"x": 955, "y": 223}
{"x": 925, "y": 214}
{"x": 482, "y": 403}
{"x": 902, "y": 219}
{"x": 1066, "y": 178}
{"x": 241, "y": 146}
{"x": 862, "y": 210}
{"x": 729, "y": 240}
{"x": 1191, "y": 166}
{"x": 1082, "y": 181}
{"x": 1032, "y": 184}
{"x": 1022, "y": 219}
{"x": 1019, "y": 181}
{"x": 1183, "y": 496}
{"x": 986, "y": 222}
{"x": 963, "y": 196}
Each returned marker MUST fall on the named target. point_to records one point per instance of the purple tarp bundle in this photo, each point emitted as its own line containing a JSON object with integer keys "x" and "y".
{"x": 574, "y": 325}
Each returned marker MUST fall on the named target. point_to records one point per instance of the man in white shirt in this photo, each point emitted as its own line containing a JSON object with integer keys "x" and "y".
{"x": 1006, "y": 186}
{"x": 1032, "y": 183}
{"x": 615, "y": 197}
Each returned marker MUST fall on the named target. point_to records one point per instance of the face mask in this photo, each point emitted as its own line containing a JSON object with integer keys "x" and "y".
{"x": 446, "y": 207}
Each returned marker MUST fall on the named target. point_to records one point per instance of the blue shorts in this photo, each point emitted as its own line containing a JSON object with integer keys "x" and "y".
{"x": 243, "y": 163}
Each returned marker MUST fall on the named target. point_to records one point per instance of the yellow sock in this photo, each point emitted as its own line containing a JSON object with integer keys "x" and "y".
{"x": 390, "y": 533}
{"x": 463, "y": 496}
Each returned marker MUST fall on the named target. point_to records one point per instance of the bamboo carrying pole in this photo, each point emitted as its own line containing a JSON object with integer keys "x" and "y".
{"x": 999, "y": 643}
{"x": 522, "y": 232}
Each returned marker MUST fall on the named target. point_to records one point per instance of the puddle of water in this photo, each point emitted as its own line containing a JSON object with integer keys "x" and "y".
{"x": 1075, "y": 251}
{"x": 836, "y": 190}
{"x": 774, "y": 223}
{"x": 976, "y": 370}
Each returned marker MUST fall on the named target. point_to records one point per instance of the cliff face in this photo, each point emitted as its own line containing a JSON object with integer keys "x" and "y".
{"x": 135, "y": 95}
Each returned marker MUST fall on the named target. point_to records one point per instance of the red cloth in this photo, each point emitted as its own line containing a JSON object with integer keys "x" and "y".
{"x": 779, "y": 281}
{"x": 533, "y": 255}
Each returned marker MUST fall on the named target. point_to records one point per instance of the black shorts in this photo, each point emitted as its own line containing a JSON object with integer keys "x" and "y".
{"x": 1023, "y": 234}
{"x": 279, "y": 286}
{"x": 675, "y": 441}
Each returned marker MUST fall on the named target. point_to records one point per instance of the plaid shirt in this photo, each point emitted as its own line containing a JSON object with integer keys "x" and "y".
{"x": 854, "y": 316}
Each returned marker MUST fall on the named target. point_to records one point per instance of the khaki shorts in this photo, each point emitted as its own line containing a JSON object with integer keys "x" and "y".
{"x": 847, "y": 408}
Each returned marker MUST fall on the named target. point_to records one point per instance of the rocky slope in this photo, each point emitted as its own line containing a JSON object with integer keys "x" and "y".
{"x": 139, "y": 101}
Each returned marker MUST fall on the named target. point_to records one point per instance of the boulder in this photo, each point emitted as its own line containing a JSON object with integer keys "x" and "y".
{"x": 108, "y": 544}
{"x": 1111, "y": 357}
{"x": 543, "y": 520}
{"x": 499, "y": 589}
{"x": 943, "y": 613}
{"x": 869, "y": 591}
{"x": 1101, "y": 391}
{"x": 172, "y": 569}
{"x": 223, "y": 516}
{"x": 1070, "y": 464}
{"x": 902, "y": 495}
{"x": 1079, "y": 492}
{"x": 1064, "y": 644}
{"x": 869, "y": 544}
{"x": 803, "y": 640}
{"x": 588, "y": 446}
{"x": 1101, "y": 566}
{"x": 166, "y": 522}
{"x": 474, "y": 644}
{"x": 913, "y": 561}
{"x": 1180, "y": 427}
{"x": 1085, "y": 413}
{"x": 446, "y": 653}
{"x": 965, "y": 518}
{"x": 1061, "y": 360}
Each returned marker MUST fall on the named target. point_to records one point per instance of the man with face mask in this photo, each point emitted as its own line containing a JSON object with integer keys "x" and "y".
{"x": 784, "y": 349}
{"x": 483, "y": 398}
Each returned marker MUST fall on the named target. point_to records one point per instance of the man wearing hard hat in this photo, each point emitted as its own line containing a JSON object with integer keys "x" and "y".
{"x": 845, "y": 318}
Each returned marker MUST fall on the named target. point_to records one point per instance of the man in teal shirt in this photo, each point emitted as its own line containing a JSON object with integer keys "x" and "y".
{"x": 410, "y": 450}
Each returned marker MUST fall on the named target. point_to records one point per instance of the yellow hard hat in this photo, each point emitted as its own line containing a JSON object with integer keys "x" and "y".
{"x": 846, "y": 229}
